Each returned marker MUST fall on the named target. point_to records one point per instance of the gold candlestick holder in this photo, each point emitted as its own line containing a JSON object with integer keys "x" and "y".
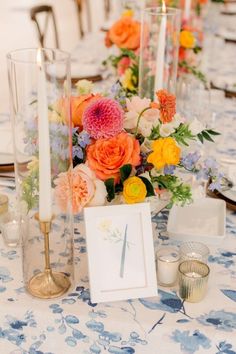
{"x": 48, "y": 284}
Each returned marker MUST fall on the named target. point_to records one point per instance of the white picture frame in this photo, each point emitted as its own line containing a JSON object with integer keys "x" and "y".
{"x": 120, "y": 252}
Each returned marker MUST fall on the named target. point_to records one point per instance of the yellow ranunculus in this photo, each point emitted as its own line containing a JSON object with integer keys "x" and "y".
{"x": 165, "y": 152}
{"x": 128, "y": 13}
{"x": 134, "y": 190}
{"x": 187, "y": 39}
{"x": 127, "y": 82}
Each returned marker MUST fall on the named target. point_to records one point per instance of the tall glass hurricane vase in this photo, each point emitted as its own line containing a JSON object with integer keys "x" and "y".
{"x": 39, "y": 82}
{"x": 159, "y": 50}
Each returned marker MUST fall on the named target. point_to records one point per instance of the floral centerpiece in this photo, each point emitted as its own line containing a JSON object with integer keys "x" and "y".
{"x": 125, "y": 148}
{"x": 131, "y": 149}
{"x": 190, "y": 46}
{"x": 125, "y": 36}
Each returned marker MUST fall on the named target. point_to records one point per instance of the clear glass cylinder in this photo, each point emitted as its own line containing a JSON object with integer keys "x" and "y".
{"x": 159, "y": 50}
{"x": 39, "y": 82}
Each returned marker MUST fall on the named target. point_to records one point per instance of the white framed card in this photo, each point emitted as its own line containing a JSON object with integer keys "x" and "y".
{"x": 120, "y": 252}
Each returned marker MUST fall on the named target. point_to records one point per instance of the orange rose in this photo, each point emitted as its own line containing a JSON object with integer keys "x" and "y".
{"x": 78, "y": 106}
{"x": 107, "y": 156}
{"x": 125, "y": 33}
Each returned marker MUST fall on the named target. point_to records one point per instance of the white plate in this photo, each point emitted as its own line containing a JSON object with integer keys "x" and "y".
{"x": 203, "y": 221}
{"x": 230, "y": 194}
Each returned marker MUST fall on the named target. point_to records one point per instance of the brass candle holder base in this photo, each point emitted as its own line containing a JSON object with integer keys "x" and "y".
{"x": 48, "y": 285}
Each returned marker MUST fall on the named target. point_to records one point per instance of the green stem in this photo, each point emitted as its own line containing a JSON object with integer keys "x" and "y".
{"x": 139, "y": 117}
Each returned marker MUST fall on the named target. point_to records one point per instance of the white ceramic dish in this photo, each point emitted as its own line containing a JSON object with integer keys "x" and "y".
{"x": 202, "y": 221}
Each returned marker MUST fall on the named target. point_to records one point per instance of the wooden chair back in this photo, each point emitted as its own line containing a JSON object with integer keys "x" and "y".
{"x": 43, "y": 30}
{"x": 83, "y": 5}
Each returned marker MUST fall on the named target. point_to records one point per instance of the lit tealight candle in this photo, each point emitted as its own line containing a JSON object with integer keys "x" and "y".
{"x": 45, "y": 201}
{"x": 167, "y": 266}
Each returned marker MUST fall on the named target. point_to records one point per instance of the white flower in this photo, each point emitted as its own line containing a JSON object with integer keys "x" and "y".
{"x": 196, "y": 127}
{"x": 166, "y": 129}
{"x": 134, "y": 106}
{"x": 177, "y": 120}
{"x": 145, "y": 127}
{"x": 84, "y": 87}
{"x": 146, "y": 146}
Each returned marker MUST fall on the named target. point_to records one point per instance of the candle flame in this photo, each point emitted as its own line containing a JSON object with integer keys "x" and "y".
{"x": 163, "y": 6}
{"x": 39, "y": 58}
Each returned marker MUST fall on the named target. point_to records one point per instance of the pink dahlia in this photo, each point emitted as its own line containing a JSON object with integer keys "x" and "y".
{"x": 103, "y": 118}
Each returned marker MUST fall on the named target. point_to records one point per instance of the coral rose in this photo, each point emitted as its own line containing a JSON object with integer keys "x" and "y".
{"x": 106, "y": 156}
{"x": 125, "y": 33}
{"x": 134, "y": 190}
{"x": 167, "y": 105}
{"x": 165, "y": 152}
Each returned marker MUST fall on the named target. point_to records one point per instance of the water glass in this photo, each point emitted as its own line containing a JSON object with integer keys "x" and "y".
{"x": 10, "y": 228}
{"x": 194, "y": 251}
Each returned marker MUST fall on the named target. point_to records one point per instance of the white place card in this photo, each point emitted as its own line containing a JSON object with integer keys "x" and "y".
{"x": 120, "y": 252}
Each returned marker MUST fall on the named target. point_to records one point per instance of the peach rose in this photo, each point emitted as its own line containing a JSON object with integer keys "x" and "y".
{"x": 107, "y": 156}
{"x": 82, "y": 185}
{"x": 125, "y": 33}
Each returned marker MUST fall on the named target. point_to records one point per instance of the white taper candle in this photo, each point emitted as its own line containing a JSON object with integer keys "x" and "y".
{"x": 161, "y": 47}
{"x": 45, "y": 199}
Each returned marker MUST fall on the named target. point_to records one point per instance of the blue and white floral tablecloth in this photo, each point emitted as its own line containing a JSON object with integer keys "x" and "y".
{"x": 160, "y": 325}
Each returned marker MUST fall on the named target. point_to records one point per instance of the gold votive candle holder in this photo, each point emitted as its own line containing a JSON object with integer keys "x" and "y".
{"x": 193, "y": 278}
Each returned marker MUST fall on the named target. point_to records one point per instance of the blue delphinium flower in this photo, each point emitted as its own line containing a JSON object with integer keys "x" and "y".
{"x": 169, "y": 169}
{"x": 117, "y": 92}
{"x": 83, "y": 139}
{"x": 189, "y": 161}
{"x": 80, "y": 141}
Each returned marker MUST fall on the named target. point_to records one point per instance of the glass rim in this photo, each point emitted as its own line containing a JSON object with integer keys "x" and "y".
{"x": 199, "y": 263}
{"x": 199, "y": 244}
{"x": 65, "y": 55}
{"x": 154, "y": 11}
{"x": 167, "y": 248}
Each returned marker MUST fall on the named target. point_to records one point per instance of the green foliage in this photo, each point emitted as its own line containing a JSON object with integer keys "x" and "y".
{"x": 182, "y": 134}
{"x": 30, "y": 187}
{"x": 155, "y": 133}
{"x": 110, "y": 186}
{"x": 125, "y": 172}
{"x": 180, "y": 192}
{"x": 193, "y": 70}
{"x": 207, "y": 135}
{"x": 149, "y": 186}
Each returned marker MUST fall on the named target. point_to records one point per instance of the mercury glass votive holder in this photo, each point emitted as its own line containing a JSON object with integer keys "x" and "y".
{"x": 193, "y": 278}
{"x": 194, "y": 250}
{"x": 167, "y": 266}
